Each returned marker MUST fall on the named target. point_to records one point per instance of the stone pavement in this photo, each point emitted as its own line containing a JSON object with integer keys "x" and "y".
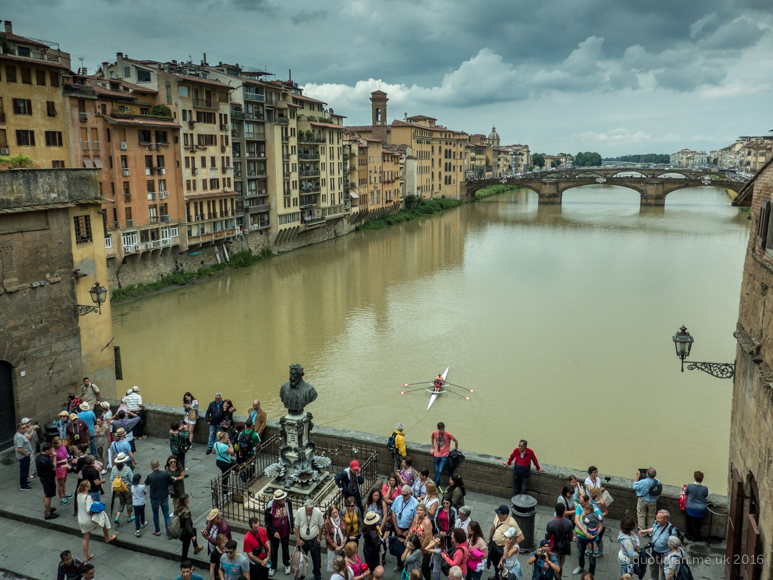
{"x": 31, "y": 545}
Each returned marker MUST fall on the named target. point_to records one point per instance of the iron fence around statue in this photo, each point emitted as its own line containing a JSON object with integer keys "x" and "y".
{"x": 236, "y": 492}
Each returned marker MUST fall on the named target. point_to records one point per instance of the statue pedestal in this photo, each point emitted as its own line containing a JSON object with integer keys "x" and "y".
{"x": 298, "y": 470}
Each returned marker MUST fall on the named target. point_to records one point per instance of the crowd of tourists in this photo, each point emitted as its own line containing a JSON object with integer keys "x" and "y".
{"x": 422, "y": 520}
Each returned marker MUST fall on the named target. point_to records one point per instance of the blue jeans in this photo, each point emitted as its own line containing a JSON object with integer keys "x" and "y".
{"x": 164, "y": 507}
{"x": 96, "y": 495}
{"x": 93, "y": 447}
{"x": 440, "y": 463}
{"x": 212, "y": 433}
{"x": 139, "y": 516}
{"x": 582, "y": 545}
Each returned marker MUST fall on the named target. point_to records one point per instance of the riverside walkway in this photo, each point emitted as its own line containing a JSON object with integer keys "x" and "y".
{"x": 31, "y": 545}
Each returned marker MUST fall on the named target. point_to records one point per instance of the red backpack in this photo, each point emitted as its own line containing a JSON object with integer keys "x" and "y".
{"x": 683, "y": 499}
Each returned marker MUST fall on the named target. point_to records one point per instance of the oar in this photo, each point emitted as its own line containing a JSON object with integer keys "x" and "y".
{"x": 418, "y": 383}
{"x": 413, "y": 390}
{"x": 457, "y": 394}
{"x": 460, "y": 387}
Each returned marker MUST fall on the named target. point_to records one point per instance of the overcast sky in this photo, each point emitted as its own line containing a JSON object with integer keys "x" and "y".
{"x": 613, "y": 76}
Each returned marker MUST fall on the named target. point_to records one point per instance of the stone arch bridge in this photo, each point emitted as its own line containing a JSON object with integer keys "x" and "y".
{"x": 652, "y": 189}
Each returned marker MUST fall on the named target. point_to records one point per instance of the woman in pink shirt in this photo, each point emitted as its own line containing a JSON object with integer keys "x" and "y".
{"x": 459, "y": 554}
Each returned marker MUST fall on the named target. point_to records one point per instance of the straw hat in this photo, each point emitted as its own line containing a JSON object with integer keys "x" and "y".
{"x": 73, "y": 417}
{"x": 85, "y": 407}
{"x": 105, "y": 405}
{"x": 371, "y": 518}
{"x": 280, "y": 494}
{"x": 64, "y": 414}
{"x": 121, "y": 457}
{"x": 120, "y": 432}
{"x": 213, "y": 514}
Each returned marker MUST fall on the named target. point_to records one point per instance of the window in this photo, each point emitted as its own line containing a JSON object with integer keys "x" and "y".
{"x": 40, "y": 77}
{"x": 26, "y": 75}
{"x": 3, "y": 139}
{"x": 160, "y": 161}
{"x": 183, "y": 92}
{"x": 25, "y": 138}
{"x": 22, "y": 107}
{"x": 144, "y": 136}
{"x": 10, "y": 74}
{"x": 127, "y": 72}
{"x": 51, "y": 108}
{"x": 169, "y": 94}
{"x": 82, "y": 225}
{"x": 53, "y": 77}
{"x": 53, "y": 138}
{"x": 124, "y": 162}
{"x": 213, "y": 162}
{"x": 143, "y": 76}
{"x": 144, "y": 111}
{"x": 161, "y": 137}
{"x": 57, "y": 164}
{"x": 107, "y": 135}
{"x": 23, "y": 51}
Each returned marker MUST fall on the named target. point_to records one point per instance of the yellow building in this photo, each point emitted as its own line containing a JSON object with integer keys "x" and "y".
{"x": 33, "y": 116}
{"x": 440, "y": 151}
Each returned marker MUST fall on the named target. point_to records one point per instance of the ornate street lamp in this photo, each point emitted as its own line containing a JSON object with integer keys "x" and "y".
{"x": 683, "y": 344}
{"x": 98, "y": 296}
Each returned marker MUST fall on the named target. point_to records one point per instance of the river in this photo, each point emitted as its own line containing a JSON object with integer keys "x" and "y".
{"x": 559, "y": 317}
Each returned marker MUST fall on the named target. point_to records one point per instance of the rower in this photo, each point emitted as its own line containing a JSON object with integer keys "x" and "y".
{"x": 439, "y": 380}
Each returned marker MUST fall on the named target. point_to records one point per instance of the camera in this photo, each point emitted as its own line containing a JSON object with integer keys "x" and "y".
{"x": 642, "y": 473}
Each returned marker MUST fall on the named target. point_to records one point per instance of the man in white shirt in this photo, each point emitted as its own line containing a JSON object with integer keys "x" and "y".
{"x": 134, "y": 404}
{"x": 309, "y": 527}
{"x": 89, "y": 393}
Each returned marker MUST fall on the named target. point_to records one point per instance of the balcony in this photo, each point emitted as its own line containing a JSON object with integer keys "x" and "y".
{"x": 79, "y": 89}
{"x": 311, "y": 190}
{"x": 287, "y": 175}
{"x": 285, "y": 138}
{"x": 205, "y": 103}
{"x": 237, "y": 114}
{"x": 250, "y": 96}
{"x": 235, "y": 134}
{"x": 309, "y": 156}
{"x": 312, "y": 220}
{"x": 153, "y": 219}
{"x": 302, "y": 138}
{"x": 308, "y": 201}
{"x": 255, "y": 136}
{"x": 258, "y": 208}
{"x": 257, "y": 175}
{"x": 313, "y": 173}
{"x": 282, "y": 121}
{"x": 129, "y": 223}
{"x": 165, "y": 217}
{"x": 256, "y": 154}
{"x": 260, "y": 226}
{"x": 285, "y": 157}
{"x": 127, "y": 197}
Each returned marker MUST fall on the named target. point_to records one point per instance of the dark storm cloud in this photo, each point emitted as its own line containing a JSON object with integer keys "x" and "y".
{"x": 254, "y": 5}
{"x": 308, "y": 16}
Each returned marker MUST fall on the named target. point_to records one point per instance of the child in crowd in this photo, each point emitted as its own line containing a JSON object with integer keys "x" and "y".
{"x": 591, "y": 520}
{"x": 139, "y": 494}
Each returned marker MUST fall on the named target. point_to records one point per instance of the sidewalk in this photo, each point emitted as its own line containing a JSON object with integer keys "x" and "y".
{"x": 31, "y": 547}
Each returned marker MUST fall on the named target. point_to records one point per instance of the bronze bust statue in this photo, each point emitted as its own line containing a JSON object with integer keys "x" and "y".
{"x": 297, "y": 393}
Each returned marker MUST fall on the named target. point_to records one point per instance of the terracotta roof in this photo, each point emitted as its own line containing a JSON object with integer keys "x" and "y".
{"x": 154, "y": 66}
{"x": 100, "y": 90}
{"x": 332, "y": 114}
{"x": 22, "y": 40}
{"x": 211, "y": 194}
{"x": 422, "y": 118}
{"x": 138, "y": 88}
{"x": 326, "y": 125}
{"x": 141, "y": 122}
{"x": 36, "y": 61}
{"x": 371, "y": 139}
{"x": 292, "y": 105}
{"x": 397, "y": 123}
{"x": 305, "y": 98}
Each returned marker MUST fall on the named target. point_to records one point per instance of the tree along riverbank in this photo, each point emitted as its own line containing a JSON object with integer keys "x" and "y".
{"x": 415, "y": 208}
{"x": 494, "y": 190}
{"x": 181, "y": 278}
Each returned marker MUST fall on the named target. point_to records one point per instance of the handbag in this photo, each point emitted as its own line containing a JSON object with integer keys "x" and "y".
{"x": 515, "y": 570}
{"x": 607, "y": 498}
{"x": 445, "y": 567}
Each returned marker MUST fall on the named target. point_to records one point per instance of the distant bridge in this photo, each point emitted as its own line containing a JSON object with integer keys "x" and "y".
{"x": 651, "y": 185}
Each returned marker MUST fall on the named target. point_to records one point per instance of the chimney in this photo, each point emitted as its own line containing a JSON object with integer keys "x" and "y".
{"x": 405, "y": 116}
{"x": 204, "y": 62}
{"x": 8, "y": 27}
{"x": 290, "y": 74}
{"x": 84, "y": 71}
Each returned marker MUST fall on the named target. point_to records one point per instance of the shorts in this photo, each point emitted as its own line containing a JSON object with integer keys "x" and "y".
{"x": 593, "y": 532}
{"x": 61, "y": 472}
{"x": 49, "y": 489}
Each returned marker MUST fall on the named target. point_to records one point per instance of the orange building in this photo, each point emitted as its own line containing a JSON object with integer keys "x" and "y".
{"x": 117, "y": 131}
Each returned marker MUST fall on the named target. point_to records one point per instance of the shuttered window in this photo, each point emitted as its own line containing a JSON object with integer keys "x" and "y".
{"x": 53, "y": 138}
{"x": 22, "y": 107}
{"x": 25, "y": 138}
{"x": 40, "y": 77}
{"x": 54, "y": 79}
{"x": 26, "y": 75}
{"x": 751, "y": 563}
{"x": 763, "y": 224}
{"x": 734, "y": 525}
{"x": 10, "y": 74}
{"x": 51, "y": 108}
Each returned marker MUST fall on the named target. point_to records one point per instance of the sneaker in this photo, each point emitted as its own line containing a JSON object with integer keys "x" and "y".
{"x": 396, "y": 569}
{"x": 118, "y": 523}
{"x": 270, "y": 572}
{"x": 53, "y": 509}
{"x": 589, "y": 552}
{"x": 577, "y": 570}
{"x": 171, "y": 514}
{"x": 144, "y": 524}
{"x": 26, "y": 488}
{"x": 104, "y": 471}
{"x": 131, "y": 519}
{"x": 52, "y": 516}
{"x": 32, "y": 478}
{"x": 599, "y": 554}
{"x": 198, "y": 549}
{"x": 67, "y": 496}
{"x": 64, "y": 502}
{"x": 137, "y": 533}
{"x": 287, "y": 570}
{"x": 207, "y": 453}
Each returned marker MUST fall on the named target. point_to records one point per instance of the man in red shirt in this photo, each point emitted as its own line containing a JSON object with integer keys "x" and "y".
{"x": 441, "y": 447}
{"x": 522, "y": 458}
{"x": 258, "y": 549}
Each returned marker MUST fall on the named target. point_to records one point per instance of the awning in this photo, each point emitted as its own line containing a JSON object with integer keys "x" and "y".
{"x": 354, "y": 195}
{"x": 87, "y": 162}
{"x": 98, "y": 162}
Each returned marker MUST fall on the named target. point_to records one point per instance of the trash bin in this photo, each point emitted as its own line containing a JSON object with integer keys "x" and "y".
{"x": 50, "y": 431}
{"x": 525, "y": 512}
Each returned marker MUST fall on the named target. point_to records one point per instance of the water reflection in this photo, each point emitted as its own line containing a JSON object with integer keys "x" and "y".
{"x": 559, "y": 316}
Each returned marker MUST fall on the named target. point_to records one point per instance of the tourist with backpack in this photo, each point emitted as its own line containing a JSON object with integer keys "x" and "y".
{"x": 648, "y": 490}
{"x": 396, "y": 445}
{"x": 559, "y": 533}
{"x": 660, "y": 531}
{"x": 121, "y": 477}
{"x": 248, "y": 440}
{"x": 675, "y": 565}
{"x": 181, "y": 526}
{"x": 629, "y": 546}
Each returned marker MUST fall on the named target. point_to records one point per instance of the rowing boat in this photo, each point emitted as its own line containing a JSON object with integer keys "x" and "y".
{"x": 435, "y": 393}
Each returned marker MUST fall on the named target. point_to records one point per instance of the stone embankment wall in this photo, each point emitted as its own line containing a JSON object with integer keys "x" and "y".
{"x": 152, "y": 266}
{"x": 482, "y": 473}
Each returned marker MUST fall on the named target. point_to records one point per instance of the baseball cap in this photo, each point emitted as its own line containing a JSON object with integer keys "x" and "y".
{"x": 544, "y": 543}
{"x": 354, "y": 464}
{"x": 502, "y": 510}
{"x": 26, "y": 420}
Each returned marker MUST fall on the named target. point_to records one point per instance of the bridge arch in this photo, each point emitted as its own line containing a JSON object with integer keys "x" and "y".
{"x": 638, "y": 189}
